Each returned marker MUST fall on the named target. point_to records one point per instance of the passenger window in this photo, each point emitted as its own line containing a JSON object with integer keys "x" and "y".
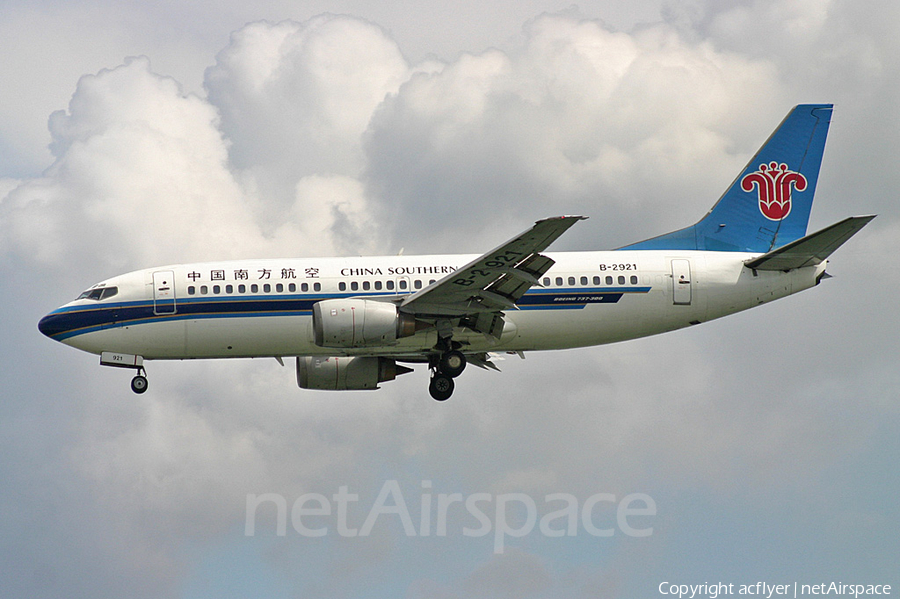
{"x": 377, "y": 285}
{"x": 204, "y": 289}
{"x": 242, "y": 289}
{"x": 546, "y": 281}
{"x": 609, "y": 280}
{"x": 366, "y": 285}
{"x": 254, "y": 288}
{"x": 417, "y": 284}
{"x": 292, "y": 287}
{"x": 317, "y": 287}
{"x": 304, "y": 287}
{"x": 229, "y": 289}
{"x": 267, "y": 288}
{"x": 596, "y": 280}
{"x": 217, "y": 290}
{"x": 559, "y": 281}
{"x": 342, "y": 286}
{"x": 584, "y": 280}
{"x": 571, "y": 281}
{"x": 431, "y": 282}
{"x": 191, "y": 290}
{"x": 621, "y": 280}
{"x": 279, "y": 287}
{"x": 403, "y": 284}
{"x": 354, "y": 286}
{"x": 634, "y": 280}
{"x": 390, "y": 285}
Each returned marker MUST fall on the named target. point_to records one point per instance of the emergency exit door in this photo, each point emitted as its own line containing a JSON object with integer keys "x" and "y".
{"x": 681, "y": 282}
{"x": 164, "y": 292}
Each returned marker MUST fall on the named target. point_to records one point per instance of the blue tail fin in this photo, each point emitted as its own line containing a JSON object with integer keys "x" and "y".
{"x": 768, "y": 205}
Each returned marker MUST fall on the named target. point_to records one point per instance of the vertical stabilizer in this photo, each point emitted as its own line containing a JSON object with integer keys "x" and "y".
{"x": 768, "y": 205}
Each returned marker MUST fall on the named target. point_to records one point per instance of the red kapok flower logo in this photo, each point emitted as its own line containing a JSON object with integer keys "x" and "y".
{"x": 774, "y": 183}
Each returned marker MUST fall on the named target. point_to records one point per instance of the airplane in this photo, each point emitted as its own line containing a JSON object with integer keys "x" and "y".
{"x": 352, "y": 323}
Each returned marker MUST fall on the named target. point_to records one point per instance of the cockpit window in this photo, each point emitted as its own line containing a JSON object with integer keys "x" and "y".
{"x": 93, "y": 294}
{"x": 99, "y": 293}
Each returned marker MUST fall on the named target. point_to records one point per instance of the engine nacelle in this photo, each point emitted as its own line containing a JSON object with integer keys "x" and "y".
{"x": 346, "y": 373}
{"x": 359, "y": 323}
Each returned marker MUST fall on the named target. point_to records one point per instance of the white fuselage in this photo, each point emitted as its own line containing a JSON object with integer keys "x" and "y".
{"x": 263, "y": 307}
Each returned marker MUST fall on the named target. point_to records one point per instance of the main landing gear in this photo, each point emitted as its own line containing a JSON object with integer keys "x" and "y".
{"x": 447, "y": 367}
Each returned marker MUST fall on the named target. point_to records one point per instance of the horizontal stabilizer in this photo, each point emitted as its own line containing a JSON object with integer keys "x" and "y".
{"x": 812, "y": 249}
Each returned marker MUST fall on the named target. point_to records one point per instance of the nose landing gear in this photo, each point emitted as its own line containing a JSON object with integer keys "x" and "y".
{"x": 139, "y": 383}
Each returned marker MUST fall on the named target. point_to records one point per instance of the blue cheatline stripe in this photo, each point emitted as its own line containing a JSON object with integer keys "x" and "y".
{"x": 65, "y": 323}
{"x": 69, "y": 322}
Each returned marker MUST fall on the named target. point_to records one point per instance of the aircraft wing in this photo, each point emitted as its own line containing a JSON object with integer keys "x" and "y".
{"x": 812, "y": 249}
{"x": 494, "y": 281}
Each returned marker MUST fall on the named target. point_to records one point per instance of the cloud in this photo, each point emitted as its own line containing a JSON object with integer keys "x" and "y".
{"x": 295, "y": 98}
{"x": 572, "y": 116}
{"x": 142, "y": 176}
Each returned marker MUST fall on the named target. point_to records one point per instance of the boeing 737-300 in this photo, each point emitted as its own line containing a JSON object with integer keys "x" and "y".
{"x": 351, "y": 323}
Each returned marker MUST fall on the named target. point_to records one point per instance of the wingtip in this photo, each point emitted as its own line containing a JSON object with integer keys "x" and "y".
{"x": 863, "y": 219}
{"x": 572, "y": 217}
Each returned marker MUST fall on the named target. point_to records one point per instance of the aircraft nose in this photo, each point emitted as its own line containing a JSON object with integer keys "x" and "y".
{"x": 53, "y": 324}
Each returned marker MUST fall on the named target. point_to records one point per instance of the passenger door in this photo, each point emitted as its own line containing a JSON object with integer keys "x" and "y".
{"x": 164, "y": 292}
{"x": 681, "y": 282}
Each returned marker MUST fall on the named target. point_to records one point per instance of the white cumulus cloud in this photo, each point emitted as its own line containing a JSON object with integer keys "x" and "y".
{"x": 576, "y": 118}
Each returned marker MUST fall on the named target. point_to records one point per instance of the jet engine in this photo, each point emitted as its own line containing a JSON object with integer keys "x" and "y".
{"x": 359, "y": 323}
{"x": 346, "y": 373}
